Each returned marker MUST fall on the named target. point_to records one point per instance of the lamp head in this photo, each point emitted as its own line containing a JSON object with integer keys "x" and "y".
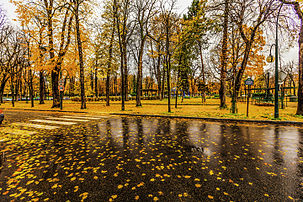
{"x": 270, "y": 59}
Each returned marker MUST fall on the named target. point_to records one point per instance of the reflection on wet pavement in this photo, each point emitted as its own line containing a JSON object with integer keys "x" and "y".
{"x": 127, "y": 159}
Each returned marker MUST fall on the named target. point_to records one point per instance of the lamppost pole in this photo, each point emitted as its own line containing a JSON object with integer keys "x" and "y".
{"x": 277, "y": 67}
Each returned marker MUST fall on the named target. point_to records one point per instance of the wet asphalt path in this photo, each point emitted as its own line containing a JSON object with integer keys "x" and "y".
{"x": 149, "y": 159}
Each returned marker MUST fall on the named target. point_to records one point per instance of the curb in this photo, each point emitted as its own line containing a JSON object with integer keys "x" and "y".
{"x": 45, "y": 110}
{"x": 217, "y": 119}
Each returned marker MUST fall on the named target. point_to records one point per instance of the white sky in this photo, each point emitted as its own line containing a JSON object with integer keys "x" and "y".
{"x": 10, "y": 9}
{"x": 182, "y": 5}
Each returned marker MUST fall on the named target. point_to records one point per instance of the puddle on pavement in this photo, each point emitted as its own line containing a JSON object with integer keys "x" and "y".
{"x": 125, "y": 159}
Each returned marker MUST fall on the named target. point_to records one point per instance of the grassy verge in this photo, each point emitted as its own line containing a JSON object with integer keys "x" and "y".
{"x": 191, "y": 108}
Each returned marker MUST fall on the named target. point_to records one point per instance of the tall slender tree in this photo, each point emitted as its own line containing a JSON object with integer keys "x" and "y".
{"x": 75, "y": 6}
{"x": 145, "y": 10}
{"x": 222, "y": 91}
{"x": 299, "y": 12}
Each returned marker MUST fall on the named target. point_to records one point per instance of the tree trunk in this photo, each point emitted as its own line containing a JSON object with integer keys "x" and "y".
{"x": 109, "y": 66}
{"x": 92, "y": 80}
{"x": 294, "y": 84}
{"x": 240, "y": 75}
{"x": 122, "y": 84}
{"x": 125, "y": 80}
{"x": 55, "y": 71}
{"x": 2, "y": 87}
{"x": 12, "y": 86}
{"x": 31, "y": 87}
{"x": 163, "y": 84}
{"x": 168, "y": 63}
{"x": 168, "y": 84}
{"x": 159, "y": 78}
{"x": 55, "y": 80}
{"x": 300, "y": 87}
{"x": 72, "y": 87}
{"x": 203, "y": 72}
{"x": 20, "y": 88}
{"x": 176, "y": 98}
{"x": 125, "y": 71}
{"x": 222, "y": 91}
{"x": 96, "y": 83}
{"x": 115, "y": 90}
{"x": 178, "y": 77}
{"x": 41, "y": 87}
{"x": 80, "y": 52}
{"x": 139, "y": 77}
{"x": 17, "y": 88}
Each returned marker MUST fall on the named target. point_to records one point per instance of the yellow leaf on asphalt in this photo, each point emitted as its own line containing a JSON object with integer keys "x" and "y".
{"x": 29, "y": 182}
{"x": 198, "y": 185}
{"x": 156, "y": 198}
{"x": 210, "y": 197}
{"x": 141, "y": 184}
{"x": 76, "y": 188}
{"x": 120, "y": 186}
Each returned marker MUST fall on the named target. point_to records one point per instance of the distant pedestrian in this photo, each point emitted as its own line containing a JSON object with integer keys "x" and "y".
{"x": 1, "y": 116}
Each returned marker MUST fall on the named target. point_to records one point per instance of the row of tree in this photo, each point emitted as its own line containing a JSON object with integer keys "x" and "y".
{"x": 84, "y": 43}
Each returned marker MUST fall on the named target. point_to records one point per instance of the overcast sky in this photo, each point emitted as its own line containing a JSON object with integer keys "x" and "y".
{"x": 182, "y": 6}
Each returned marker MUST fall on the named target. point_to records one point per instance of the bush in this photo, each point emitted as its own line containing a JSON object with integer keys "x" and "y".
{"x": 261, "y": 95}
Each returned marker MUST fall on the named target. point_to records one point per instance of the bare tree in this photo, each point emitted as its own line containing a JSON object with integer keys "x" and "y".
{"x": 298, "y": 10}
{"x": 50, "y": 9}
{"x": 144, "y": 11}
{"x": 12, "y": 58}
{"x": 122, "y": 10}
{"x": 252, "y": 14}
{"x": 222, "y": 91}
{"x": 75, "y": 7}
{"x": 167, "y": 12}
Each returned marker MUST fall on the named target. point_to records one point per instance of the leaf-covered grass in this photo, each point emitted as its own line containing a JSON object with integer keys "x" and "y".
{"x": 190, "y": 108}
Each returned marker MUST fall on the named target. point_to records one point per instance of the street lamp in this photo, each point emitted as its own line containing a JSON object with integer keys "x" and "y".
{"x": 270, "y": 59}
